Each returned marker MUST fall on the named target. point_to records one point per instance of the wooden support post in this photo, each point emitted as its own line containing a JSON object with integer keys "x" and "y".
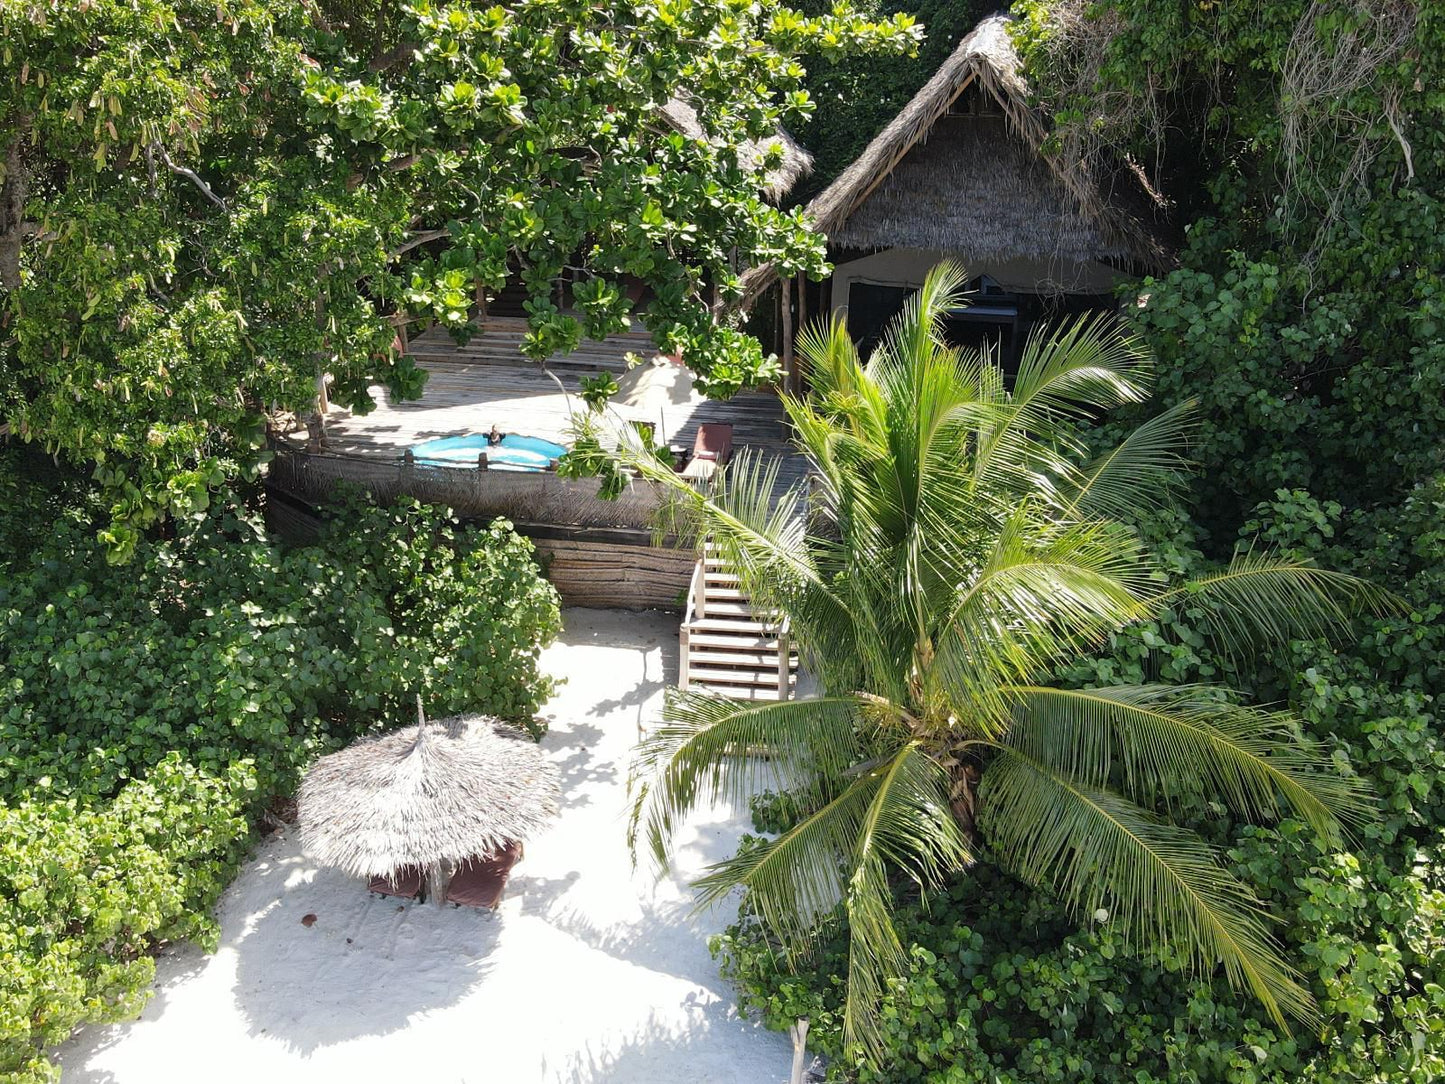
{"x": 788, "y": 327}
{"x": 682, "y": 675}
{"x": 437, "y": 879}
{"x": 785, "y": 653}
{"x": 408, "y": 471}
{"x": 797, "y": 374}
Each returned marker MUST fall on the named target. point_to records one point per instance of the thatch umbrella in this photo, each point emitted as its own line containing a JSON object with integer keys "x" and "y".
{"x": 655, "y": 385}
{"x": 429, "y": 796}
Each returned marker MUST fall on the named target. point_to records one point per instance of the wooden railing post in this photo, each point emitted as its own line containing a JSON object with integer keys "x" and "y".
{"x": 784, "y": 659}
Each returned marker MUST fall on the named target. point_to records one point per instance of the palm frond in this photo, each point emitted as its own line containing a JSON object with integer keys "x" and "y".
{"x": 1263, "y": 599}
{"x": 917, "y": 330}
{"x": 1185, "y": 740}
{"x": 1162, "y": 886}
{"x": 1142, "y": 471}
{"x": 1080, "y": 366}
{"x": 832, "y": 364}
{"x": 895, "y": 814}
{"x": 709, "y": 748}
{"x": 1042, "y": 594}
{"x": 1067, "y": 372}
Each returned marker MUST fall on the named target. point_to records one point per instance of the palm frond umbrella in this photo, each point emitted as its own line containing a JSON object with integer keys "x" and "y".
{"x": 654, "y": 386}
{"x": 428, "y": 797}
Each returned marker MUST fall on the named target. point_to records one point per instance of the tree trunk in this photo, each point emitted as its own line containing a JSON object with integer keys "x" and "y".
{"x": 14, "y": 191}
{"x": 787, "y": 312}
{"x": 799, "y": 1034}
{"x": 963, "y": 773}
{"x": 797, "y": 373}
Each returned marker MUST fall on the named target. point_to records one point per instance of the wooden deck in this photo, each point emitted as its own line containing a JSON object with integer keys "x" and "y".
{"x": 489, "y": 382}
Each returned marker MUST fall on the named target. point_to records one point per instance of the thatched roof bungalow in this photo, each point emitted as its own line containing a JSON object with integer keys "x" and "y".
{"x": 961, "y": 173}
{"x": 795, "y": 163}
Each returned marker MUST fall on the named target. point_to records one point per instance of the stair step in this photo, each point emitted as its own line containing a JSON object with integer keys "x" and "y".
{"x": 712, "y": 676}
{"x": 711, "y": 592}
{"x": 718, "y": 657}
{"x": 739, "y": 642}
{"x": 719, "y": 623}
{"x": 716, "y": 576}
{"x": 726, "y": 608}
{"x": 737, "y": 692}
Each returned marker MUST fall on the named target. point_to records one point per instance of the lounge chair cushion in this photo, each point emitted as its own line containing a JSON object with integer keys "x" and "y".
{"x": 406, "y": 882}
{"x": 479, "y": 882}
{"x": 714, "y": 442}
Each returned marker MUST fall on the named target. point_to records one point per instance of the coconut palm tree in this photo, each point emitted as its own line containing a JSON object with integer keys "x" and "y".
{"x": 959, "y": 546}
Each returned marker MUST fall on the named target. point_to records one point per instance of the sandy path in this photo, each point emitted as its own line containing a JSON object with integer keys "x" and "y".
{"x": 587, "y": 973}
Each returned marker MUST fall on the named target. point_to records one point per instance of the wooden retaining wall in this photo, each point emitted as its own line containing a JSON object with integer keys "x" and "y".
{"x": 521, "y": 496}
{"x": 597, "y": 572}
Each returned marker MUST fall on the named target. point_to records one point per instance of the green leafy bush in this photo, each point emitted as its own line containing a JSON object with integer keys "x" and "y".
{"x": 88, "y": 890}
{"x": 147, "y": 712}
{"x": 219, "y": 642}
{"x": 1002, "y": 989}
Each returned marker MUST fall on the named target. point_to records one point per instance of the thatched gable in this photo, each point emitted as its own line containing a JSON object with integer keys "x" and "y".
{"x": 977, "y": 187}
{"x": 974, "y": 189}
{"x": 796, "y": 162}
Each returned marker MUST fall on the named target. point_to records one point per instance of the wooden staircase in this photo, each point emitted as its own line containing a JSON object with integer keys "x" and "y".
{"x": 499, "y": 342}
{"x": 727, "y": 647}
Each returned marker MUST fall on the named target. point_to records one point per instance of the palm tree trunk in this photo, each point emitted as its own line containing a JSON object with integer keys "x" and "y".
{"x": 964, "y": 773}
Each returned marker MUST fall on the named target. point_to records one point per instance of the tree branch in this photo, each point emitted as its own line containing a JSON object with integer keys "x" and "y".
{"x": 389, "y": 58}
{"x": 419, "y": 239}
{"x": 14, "y": 191}
{"x": 192, "y": 176}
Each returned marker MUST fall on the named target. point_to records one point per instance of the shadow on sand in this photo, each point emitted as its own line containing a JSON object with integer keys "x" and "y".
{"x": 310, "y": 986}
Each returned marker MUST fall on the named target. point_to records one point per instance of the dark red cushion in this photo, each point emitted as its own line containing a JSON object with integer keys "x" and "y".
{"x": 404, "y": 882}
{"x": 714, "y": 441}
{"x": 479, "y": 882}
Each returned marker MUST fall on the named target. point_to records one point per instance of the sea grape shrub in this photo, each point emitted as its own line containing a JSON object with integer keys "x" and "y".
{"x": 88, "y": 891}
{"x": 1002, "y": 988}
{"x": 218, "y": 642}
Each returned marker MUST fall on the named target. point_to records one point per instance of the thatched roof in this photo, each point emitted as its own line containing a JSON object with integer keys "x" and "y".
{"x": 779, "y": 181}
{"x": 434, "y": 793}
{"x": 977, "y": 187}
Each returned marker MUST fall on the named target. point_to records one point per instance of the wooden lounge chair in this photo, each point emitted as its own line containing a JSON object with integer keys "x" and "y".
{"x": 405, "y": 882}
{"x": 712, "y": 448}
{"x": 480, "y": 881}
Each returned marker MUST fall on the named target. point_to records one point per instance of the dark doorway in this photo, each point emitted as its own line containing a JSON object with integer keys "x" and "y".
{"x": 870, "y": 308}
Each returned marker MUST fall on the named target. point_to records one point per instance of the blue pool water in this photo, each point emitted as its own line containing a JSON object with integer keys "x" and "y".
{"x": 516, "y": 452}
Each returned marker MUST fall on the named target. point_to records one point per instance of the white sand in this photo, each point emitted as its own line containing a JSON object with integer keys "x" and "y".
{"x": 586, "y": 973}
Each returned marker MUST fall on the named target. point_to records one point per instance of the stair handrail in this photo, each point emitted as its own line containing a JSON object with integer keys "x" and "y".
{"x": 693, "y": 610}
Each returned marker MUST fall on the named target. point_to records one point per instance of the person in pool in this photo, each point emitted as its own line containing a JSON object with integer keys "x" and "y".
{"x": 495, "y": 436}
